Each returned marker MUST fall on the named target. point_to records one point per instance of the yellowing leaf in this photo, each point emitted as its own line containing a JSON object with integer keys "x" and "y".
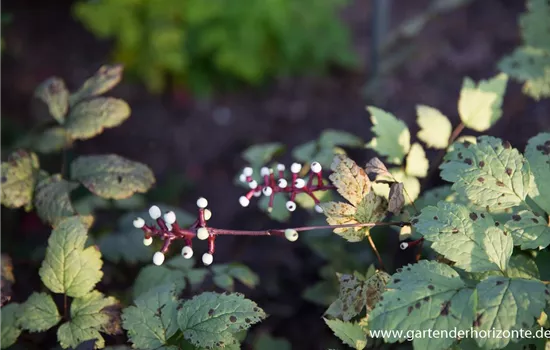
{"x": 479, "y": 106}
{"x": 417, "y": 163}
{"x": 351, "y": 334}
{"x": 393, "y": 138}
{"x": 102, "y": 81}
{"x": 38, "y": 313}
{"x": 69, "y": 267}
{"x": 88, "y": 118}
{"x": 350, "y": 180}
{"x": 112, "y": 176}
{"x": 19, "y": 175}
{"x": 435, "y": 128}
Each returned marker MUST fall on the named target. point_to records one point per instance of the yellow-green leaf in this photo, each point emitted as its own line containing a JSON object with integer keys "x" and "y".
{"x": 19, "y": 175}
{"x": 102, "y": 81}
{"x": 52, "y": 200}
{"x": 417, "y": 163}
{"x": 350, "y": 180}
{"x": 435, "y": 127}
{"x": 54, "y": 93}
{"x": 39, "y": 313}
{"x": 10, "y": 328}
{"x": 393, "y": 138}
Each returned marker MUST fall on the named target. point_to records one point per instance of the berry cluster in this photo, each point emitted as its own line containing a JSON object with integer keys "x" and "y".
{"x": 168, "y": 230}
{"x": 273, "y": 184}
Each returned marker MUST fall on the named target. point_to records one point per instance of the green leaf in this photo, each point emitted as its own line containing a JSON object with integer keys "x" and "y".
{"x": 211, "y": 319}
{"x": 90, "y": 315}
{"x": 351, "y": 334}
{"x": 70, "y": 268}
{"x": 417, "y": 163}
{"x": 530, "y": 231}
{"x": 112, "y": 176}
{"x": 330, "y": 138}
{"x": 393, "y": 138}
{"x": 153, "y": 320}
{"x": 531, "y": 66}
{"x": 10, "y": 328}
{"x": 490, "y": 173}
{"x": 522, "y": 266}
{"x": 38, "y": 313}
{"x": 267, "y": 342}
{"x": 88, "y": 118}
{"x": 19, "y": 175}
{"x": 357, "y": 293}
{"x": 507, "y": 304}
{"x": 52, "y": 199}
{"x": 534, "y": 24}
{"x": 479, "y": 106}
{"x": 51, "y": 140}
{"x": 259, "y": 155}
{"x": 54, "y": 93}
{"x": 126, "y": 246}
{"x": 434, "y": 195}
{"x": 543, "y": 264}
{"x": 435, "y": 128}
{"x": 279, "y": 211}
{"x": 537, "y": 153}
{"x": 102, "y": 81}
{"x": 465, "y": 236}
{"x": 426, "y": 295}
{"x": 305, "y": 152}
{"x": 225, "y": 273}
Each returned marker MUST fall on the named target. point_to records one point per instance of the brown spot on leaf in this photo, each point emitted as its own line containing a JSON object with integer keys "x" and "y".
{"x": 417, "y": 305}
{"x": 468, "y": 161}
{"x": 445, "y": 308}
{"x": 459, "y": 155}
{"x": 232, "y": 319}
{"x": 516, "y": 217}
{"x": 499, "y": 283}
{"x": 397, "y": 280}
{"x": 414, "y": 221}
{"x": 436, "y": 218}
{"x": 506, "y": 144}
{"x": 546, "y": 292}
{"x": 467, "y": 144}
{"x": 210, "y": 312}
{"x": 455, "y": 230}
{"x": 480, "y": 179}
{"x": 473, "y": 216}
{"x": 481, "y": 164}
{"x": 509, "y": 171}
{"x": 497, "y": 224}
{"x": 409, "y": 310}
{"x": 535, "y": 220}
{"x": 500, "y": 183}
{"x": 426, "y": 298}
{"x": 247, "y": 320}
{"x": 430, "y": 287}
{"x": 477, "y": 321}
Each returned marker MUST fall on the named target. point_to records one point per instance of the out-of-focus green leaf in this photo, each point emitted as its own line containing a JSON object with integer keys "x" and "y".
{"x": 54, "y": 93}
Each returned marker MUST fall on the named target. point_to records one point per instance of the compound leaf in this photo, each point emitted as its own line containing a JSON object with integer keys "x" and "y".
{"x": 530, "y": 231}
{"x": 153, "y": 320}
{"x": 435, "y": 128}
{"x": 52, "y": 199}
{"x": 102, "y": 81}
{"x": 88, "y": 118}
{"x": 490, "y": 173}
{"x": 537, "y": 153}
{"x": 90, "y": 315}
{"x": 507, "y": 304}
{"x": 19, "y": 175}
{"x": 10, "y": 328}
{"x": 479, "y": 106}
{"x": 259, "y": 155}
{"x": 70, "y": 268}
{"x": 112, "y": 176}
{"x": 465, "y": 236}
{"x": 530, "y": 65}
{"x": 38, "y": 313}
{"x": 393, "y": 138}
{"x": 351, "y": 334}
{"x": 351, "y": 181}
{"x": 211, "y": 319}
{"x": 417, "y": 163}
{"x": 426, "y": 295}
{"x": 55, "y": 95}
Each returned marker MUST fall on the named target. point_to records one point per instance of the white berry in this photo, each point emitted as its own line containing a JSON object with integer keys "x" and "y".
{"x": 295, "y": 168}
{"x": 318, "y": 208}
{"x": 267, "y": 191}
{"x": 244, "y": 201}
{"x": 242, "y": 178}
{"x": 207, "y": 214}
{"x": 139, "y": 222}
{"x": 257, "y": 193}
{"x": 253, "y": 184}
{"x": 281, "y": 167}
{"x": 202, "y": 203}
{"x": 202, "y": 233}
{"x": 170, "y": 217}
{"x": 264, "y": 171}
{"x": 291, "y": 234}
{"x": 404, "y": 245}
{"x": 299, "y": 183}
{"x": 291, "y": 206}
{"x": 158, "y": 258}
{"x": 316, "y": 167}
{"x": 154, "y": 212}
{"x": 187, "y": 252}
{"x": 282, "y": 183}
{"x": 207, "y": 259}
{"x": 248, "y": 171}
{"x": 147, "y": 241}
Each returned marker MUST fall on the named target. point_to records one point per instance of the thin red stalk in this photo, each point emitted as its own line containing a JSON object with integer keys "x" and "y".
{"x": 373, "y": 246}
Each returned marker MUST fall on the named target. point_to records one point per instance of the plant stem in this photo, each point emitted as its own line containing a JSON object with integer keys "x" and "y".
{"x": 65, "y": 309}
{"x": 373, "y": 246}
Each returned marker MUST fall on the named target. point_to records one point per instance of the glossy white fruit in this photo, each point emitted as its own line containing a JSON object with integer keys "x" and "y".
{"x": 207, "y": 214}
{"x": 207, "y": 259}
{"x": 169, "y": 217}
{"x": 187, "y": 252}
{"x": 147, "y": 241}
{"x": 154, "y": 212}
{"x": 318, "y": 208}
{"x": 264, "y": 171}
{"x": 282, "y": 183}
{"x": 202, "y": 233}
{"x": 244, "y": 201}
{"x": 139, "y": 222}
{"x": 253, "y": 184}
{"x": 404, "y": 245}
{"x": 242, "y": 178}
{"x": 316, "y": 167}
{"x": 248, "y": 171}
{"x": 158, "y": 258}
{"x": 295, "y": 168}
{"x": 299, "y": 183}
{"x": 281, "y": 167}
{"x": 257, "y": 194}
{"x": 291, "y": 234}
{"x": 290, "y": 206}
{"x": 202, "y": 203}
{"x": 267, "y": 191}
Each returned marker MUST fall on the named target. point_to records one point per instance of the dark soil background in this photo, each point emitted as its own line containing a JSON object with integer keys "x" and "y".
{"x": 200, "y": 140}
